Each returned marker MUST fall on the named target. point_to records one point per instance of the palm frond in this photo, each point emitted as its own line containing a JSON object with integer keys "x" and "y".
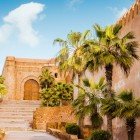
{"x": 116, "y": 29}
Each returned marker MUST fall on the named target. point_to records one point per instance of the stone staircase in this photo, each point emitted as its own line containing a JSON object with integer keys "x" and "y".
{"x": 17, "y": 115}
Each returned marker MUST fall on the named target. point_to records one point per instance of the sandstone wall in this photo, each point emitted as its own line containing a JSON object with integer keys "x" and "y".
{"x": 53, "y": 117}
{"x": 17, "y": 71}
{"x": 130, "y": 23}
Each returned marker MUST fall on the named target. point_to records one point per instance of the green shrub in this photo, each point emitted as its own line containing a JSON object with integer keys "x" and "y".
{"x": 72, "y": 129}
{"x": 53, "y": 93}
{"x": 100, "y": 135}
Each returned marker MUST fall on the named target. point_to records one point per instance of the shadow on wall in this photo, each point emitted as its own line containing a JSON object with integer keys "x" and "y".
{"x": 120, "y": 133}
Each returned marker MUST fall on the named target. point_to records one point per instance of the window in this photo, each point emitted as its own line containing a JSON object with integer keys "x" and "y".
{"x": 56, "y": 75}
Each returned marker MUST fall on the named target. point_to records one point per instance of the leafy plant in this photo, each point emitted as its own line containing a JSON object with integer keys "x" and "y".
{"x": 88, "y": 100}
{"x": 100, "y": 135}
{"x": 72, "y": 128}
{"x": 129, "y": 110}
{"x": 64, "y": 90}
{"x": 46, "y": 79}
{"x": 96, "y": 120}
{"x": 49, "y": 98}
{"x": 3, "y": 89}
{"x": 1, "y": 80}
{"x": 53, "y": 93}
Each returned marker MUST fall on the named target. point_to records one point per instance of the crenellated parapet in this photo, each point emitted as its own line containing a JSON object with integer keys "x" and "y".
{"x": 130, "y": 14}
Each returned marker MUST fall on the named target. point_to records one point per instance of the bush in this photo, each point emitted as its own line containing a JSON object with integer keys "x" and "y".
{"x": 72, "y": 129}
{"x": 100, "y": 135}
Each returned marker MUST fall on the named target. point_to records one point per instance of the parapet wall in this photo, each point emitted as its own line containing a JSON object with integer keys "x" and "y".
{"x": 130, "y": 14}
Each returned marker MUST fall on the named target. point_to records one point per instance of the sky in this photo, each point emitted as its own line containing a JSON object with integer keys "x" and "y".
{"x": 29, "y": 27}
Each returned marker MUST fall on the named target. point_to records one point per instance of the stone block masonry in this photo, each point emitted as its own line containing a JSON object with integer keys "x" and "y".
{"x": 21, "y": 76}
{"x": 52, "y": 117}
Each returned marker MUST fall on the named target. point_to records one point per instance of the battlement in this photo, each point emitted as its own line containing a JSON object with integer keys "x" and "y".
{"x": 130, "y": 14}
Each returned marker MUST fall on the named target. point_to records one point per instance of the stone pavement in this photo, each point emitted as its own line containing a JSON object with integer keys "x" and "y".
{"x": 28, "y": 135}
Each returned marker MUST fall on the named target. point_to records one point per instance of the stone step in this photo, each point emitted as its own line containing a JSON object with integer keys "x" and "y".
{"x": 17, "y": 115}
{"x": 28, "y": 135}
{"x": 6, "y": 120}
{"x": 16, "y": 111}
{"x": 18, "y": 107}
{"x": 10, "y": 106}
{"x": 19, "y": 104}
{"x": 21, "y": 101}
{"x": 15, "y": 129}
{"x": 15, "y": 124}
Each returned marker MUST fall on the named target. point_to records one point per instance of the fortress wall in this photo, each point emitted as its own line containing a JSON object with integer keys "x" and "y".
{"x": 17, "y": 71}
{"x": 130, "y": 14}
{"x": 132, "y": 24}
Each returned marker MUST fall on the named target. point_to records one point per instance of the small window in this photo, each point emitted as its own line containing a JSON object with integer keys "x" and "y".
{"x": 56, "y": 75}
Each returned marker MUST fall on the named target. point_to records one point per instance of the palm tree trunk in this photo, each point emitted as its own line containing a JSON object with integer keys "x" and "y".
{"x": 81, "y": 119}
{"x": 109, "y": 125}
{"x": 95, "y": 114}
{"x": 108, "y": 74}
{"x": 130, "y": 126}
{"x": 81, "y": 125}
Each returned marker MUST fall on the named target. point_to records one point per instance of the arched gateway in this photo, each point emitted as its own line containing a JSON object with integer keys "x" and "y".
{"x": 31, "y": 90}
{"x": 21, "y": 76}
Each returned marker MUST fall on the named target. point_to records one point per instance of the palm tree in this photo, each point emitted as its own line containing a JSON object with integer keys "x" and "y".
{"x": 129, "y": 110}
{"x": 90, "y": 94}
{"x": 109, "y": 49}
{"x": 46, "y": 79}
{"x": 68, "y": 56}
{"x": 69, "y": 59}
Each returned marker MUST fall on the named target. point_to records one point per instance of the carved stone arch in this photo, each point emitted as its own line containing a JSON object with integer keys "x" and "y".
{"x": 34, "y": 83}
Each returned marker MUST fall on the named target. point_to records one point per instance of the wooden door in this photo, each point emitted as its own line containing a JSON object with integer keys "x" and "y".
{"x": 31, "y": 90}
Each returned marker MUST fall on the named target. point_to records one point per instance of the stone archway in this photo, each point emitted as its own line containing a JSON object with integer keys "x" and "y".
{"x": 31, "y": 90}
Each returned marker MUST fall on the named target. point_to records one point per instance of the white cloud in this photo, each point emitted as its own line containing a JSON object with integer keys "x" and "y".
{"x": 118, "y": 12}
{"x": 5, "y": 31}
{"x": 21, "y": 19}
{"x": 73, "y": 3}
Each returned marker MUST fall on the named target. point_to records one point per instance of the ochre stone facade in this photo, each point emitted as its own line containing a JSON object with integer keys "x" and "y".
{"x": 53, "y": 117}
{"x": 21, "y": 76}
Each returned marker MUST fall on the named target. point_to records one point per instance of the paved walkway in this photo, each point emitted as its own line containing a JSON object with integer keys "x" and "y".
{"x": 28, "y": 135}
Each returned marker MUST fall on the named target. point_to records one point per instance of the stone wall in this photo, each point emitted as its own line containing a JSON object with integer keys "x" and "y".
{"x": 17, "y": 71}
{"x": 53, "y": 117}
{"x": 130, "y": 23}
{"x": 131, "y": 14}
